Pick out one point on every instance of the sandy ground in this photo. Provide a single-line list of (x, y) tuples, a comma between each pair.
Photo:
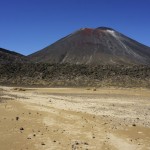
[(74, 119)]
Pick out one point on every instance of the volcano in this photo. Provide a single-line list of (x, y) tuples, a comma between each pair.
[(99, 46)]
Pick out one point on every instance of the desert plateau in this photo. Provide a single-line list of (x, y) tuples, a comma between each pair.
[(75, 75)]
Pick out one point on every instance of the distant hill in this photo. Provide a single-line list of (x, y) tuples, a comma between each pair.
[(100, 46), (7, 56)]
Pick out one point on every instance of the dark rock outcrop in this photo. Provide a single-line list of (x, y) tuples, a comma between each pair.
[(64, 75)]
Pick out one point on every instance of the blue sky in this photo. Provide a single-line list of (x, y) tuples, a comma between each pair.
[(27, 26)]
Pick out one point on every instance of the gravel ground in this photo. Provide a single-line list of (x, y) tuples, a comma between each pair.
[(75, 118)]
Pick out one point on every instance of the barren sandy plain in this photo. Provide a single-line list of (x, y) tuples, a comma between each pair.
[(74, 119)]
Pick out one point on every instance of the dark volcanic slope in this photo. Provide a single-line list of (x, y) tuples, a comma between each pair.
[(94, 46), (7, 56)]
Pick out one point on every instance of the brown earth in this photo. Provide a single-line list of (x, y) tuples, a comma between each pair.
[(74, 118)]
